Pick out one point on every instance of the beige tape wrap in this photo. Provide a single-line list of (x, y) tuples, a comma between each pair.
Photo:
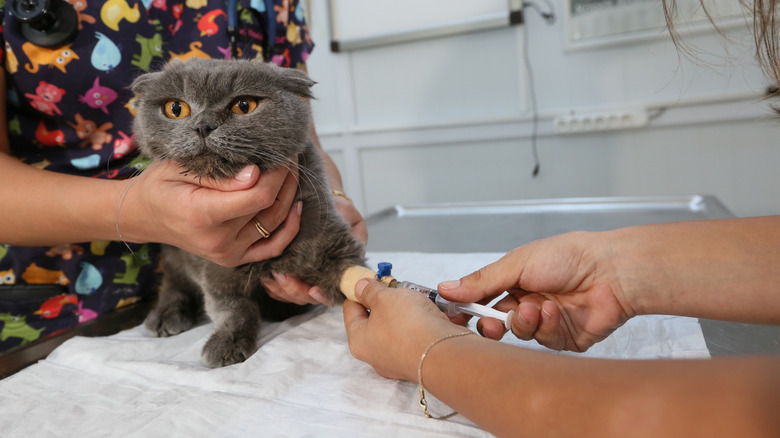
[(352, 275)]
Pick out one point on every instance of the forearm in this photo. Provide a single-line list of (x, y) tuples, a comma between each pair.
[(512, 391), (42, 208), (723, 269), (48, 208)]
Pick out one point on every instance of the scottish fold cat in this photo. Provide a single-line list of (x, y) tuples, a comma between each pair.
[(214, 117)]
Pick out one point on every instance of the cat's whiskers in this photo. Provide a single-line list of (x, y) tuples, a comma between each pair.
[(305, 175), (249, 284)]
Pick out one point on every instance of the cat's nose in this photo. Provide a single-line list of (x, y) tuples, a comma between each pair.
[(204, 129)]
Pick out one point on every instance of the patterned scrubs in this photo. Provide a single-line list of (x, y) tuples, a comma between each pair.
[(67, 111)]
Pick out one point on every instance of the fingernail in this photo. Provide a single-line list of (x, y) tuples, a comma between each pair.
[(360, 286), (280, 278), (452, 284), (299, 206), (546, 305), (245, 174), (318, 296), (519, 317)]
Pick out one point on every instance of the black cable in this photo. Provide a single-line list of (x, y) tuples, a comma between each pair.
[(550, 18), (534, 111)]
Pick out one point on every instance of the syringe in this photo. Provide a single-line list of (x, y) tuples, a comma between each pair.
[(353, 274), (454, 309)]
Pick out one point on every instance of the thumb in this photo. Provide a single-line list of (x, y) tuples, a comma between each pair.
[(356, 313), (367, 292), (243, 179), (487, 282)]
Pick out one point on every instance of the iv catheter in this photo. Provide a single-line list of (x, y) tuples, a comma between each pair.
[(355, 273)]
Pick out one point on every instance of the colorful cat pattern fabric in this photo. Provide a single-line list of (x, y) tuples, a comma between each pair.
[(68, 110)]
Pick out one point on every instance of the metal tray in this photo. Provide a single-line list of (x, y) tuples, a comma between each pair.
[(502, 226)]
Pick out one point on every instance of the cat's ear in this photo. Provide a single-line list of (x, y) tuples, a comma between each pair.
[(141, 83), (296, 81)]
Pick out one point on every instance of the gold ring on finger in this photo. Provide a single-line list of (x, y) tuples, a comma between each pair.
[(263, 232)]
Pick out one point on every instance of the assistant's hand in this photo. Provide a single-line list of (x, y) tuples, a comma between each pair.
[(392, 337), (284, 287), (563, 289), (209, 218)]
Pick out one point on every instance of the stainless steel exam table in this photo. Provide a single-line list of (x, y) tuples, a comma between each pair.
[(502, 226)]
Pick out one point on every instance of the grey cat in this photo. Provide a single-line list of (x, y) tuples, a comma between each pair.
[(214, 117)]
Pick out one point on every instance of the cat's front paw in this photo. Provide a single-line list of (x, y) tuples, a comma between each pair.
[(167, 322), (224, 349)]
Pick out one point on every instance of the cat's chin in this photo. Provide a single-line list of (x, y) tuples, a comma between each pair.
[(209, 169)]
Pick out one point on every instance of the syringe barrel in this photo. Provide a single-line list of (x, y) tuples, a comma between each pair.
[(417, 288), (432, 294), (454, 309)]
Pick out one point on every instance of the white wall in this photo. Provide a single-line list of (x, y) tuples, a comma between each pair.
[(449, 119)]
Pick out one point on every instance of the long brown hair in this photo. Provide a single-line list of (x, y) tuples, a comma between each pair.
[(765, 32)]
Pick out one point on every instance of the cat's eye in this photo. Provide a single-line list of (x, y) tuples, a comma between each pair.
[(244, 105), (176, 109)]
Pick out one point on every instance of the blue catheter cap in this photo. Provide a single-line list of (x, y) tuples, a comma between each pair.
[(383, 269)]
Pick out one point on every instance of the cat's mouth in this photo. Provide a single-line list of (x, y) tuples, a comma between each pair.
[(207, 158)]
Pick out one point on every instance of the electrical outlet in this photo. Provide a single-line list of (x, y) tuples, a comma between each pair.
[(601, 121)]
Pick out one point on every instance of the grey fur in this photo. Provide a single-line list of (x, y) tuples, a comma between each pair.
[(274, 132)]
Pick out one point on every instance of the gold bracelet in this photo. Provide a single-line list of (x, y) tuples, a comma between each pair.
[(423, 403), (342, 194)]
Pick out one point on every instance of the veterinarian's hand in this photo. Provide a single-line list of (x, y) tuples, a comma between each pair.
[(292, 290), (564, 290), (212, 219)]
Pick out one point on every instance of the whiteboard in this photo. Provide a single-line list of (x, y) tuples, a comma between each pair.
[(360, 24)]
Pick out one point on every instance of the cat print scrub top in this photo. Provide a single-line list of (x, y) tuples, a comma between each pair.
[(67, 111)]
